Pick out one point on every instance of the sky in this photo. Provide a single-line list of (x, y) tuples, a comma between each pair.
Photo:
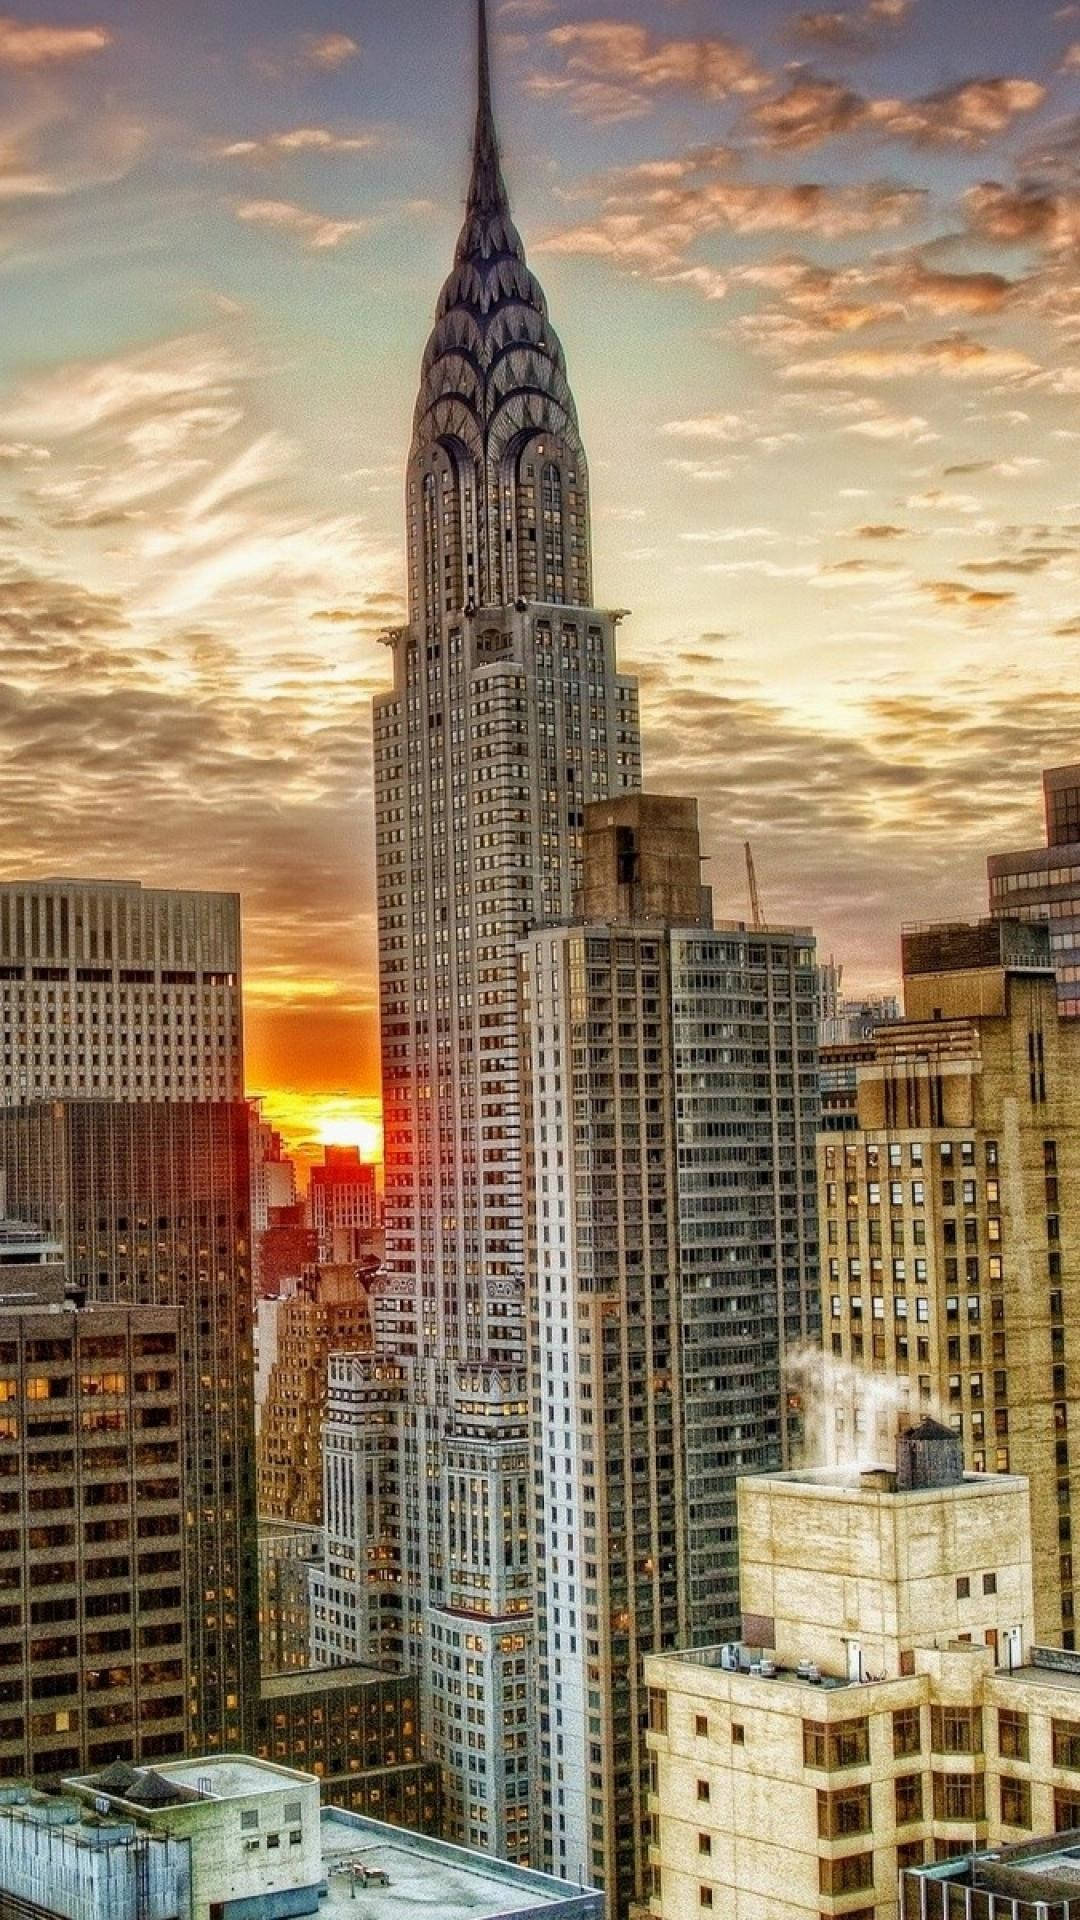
[(817, 274)]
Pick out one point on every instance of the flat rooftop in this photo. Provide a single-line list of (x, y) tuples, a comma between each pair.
[(297, 1681), (1032, 1873), (429, 1877), (233, 1777)]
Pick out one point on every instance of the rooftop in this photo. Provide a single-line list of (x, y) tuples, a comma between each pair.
[(174, 1783), (429, 1877), (1033, 1874)]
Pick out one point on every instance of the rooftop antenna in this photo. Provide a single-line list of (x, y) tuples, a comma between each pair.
[(755, 899)]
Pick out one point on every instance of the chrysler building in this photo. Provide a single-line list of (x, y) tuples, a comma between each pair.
[(506, 717)]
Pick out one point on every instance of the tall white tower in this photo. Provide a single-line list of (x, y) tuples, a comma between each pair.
[(507, 716)]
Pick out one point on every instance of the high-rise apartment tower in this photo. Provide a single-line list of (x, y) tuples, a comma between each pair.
[(671, 1110)]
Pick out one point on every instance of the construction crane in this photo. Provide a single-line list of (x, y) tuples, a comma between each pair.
[(755, 899)]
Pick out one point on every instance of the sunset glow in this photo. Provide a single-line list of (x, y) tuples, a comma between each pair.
[(815, 273)]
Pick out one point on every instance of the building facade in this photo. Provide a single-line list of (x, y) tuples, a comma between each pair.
[(93, 1548), (950, 1258), (507, 715), (670, 1109), (343, 1204), (884, 1707), (328, 1314), (1043, 883), (113, 991), (150, 1201)]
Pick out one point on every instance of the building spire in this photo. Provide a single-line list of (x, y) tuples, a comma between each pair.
[(487, 190)]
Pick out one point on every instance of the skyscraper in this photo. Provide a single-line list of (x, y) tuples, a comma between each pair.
[(125, 1133), (1043, 883), (113, 991), (507, 715), (93, 1627), (151, 1200), (671, 1113)]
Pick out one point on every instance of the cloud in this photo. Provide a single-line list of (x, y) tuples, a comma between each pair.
[(959, 357), (654, 232), (902, 796), (330, 50), (24, 43), (1071, 61), (614, 69), (891, 426), (880, 530), (969, 114), (299, 140), (953, 593), (317, 230), (48, 150), (707, 426), (848, 30), (85, 395), (1013, 216)]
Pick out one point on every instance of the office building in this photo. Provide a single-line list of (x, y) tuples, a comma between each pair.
[(287, 1553), (273, 1174), (225, 1837), (883, 1708), (287, 1248), (113, 991), (151, 1203), (506, 717), (670, 1114), (842, 1019), (93, 1570), (328, 1313), (1043, 883), (950, 1258), (343, 1206), (358, 1730)]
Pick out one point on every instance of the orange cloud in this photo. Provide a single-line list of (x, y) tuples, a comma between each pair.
[(26, 44), (614, 68), (967, 114)]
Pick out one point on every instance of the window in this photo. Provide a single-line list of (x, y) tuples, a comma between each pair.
[(959, 1796), (1066, 1743), (249, 1820), (701, 1725), (853, 1874), (704, 1843), (705, 1896), (846, 1744), (657, 1710), (911, 1854), (989, 1582), (909, 1799), (703, 1791), (1066, 1811), (1012, 1735), (963, 1587), (956, 1729), (738, 1734), (843, 1813), (1015, 1802)]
